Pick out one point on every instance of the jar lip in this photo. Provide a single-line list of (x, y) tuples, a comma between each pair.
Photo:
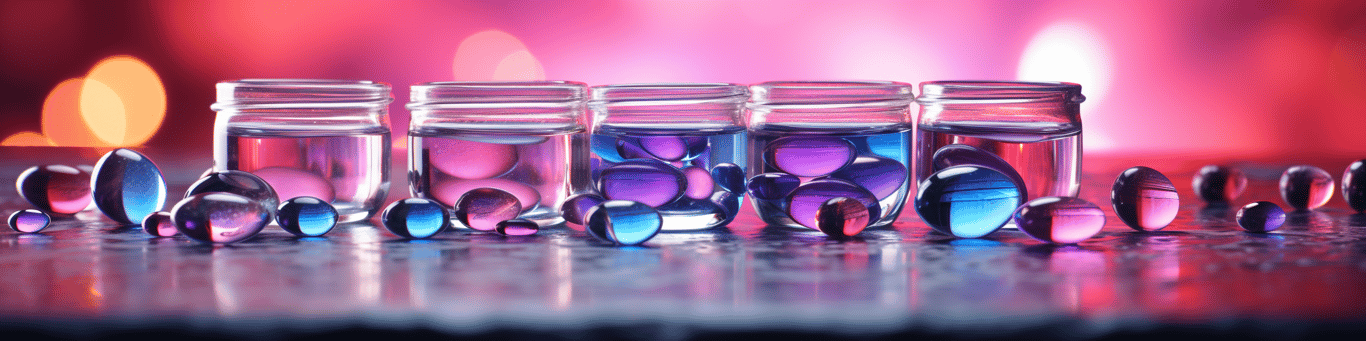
[(830, 92), (992, 90), (708, 92), (264, 93), (474, 92)]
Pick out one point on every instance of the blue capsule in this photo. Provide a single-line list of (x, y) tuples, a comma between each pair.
[(483, 208), (808, 198), (879, 175), (967, 201), (1219, 184), (605, 147), (1306, 187), (965, 155), (127, 186), (1145, 199), (623, 222), (1261, 216), (1059, 220), (29, 221), (772, 186), (307, 216), (646, 181), (239, 183), (576, 207), (809, 156), (219, 217), (517, 227), (59, 189), (1354, 185), (415, 218), (729, 177), (159, 224), (842, 217)]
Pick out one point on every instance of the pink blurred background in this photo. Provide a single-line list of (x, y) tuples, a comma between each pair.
[(1194, 78)]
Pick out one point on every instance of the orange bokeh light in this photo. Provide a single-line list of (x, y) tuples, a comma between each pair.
[(62, 121), (26, 139), (135, 86)]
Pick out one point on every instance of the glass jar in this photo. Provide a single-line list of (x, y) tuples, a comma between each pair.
[(327, 139), (1034, 127), (675, 147), (815, 141), (523, 138)]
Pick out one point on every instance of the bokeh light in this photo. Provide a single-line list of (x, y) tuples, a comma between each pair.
[(1069, 52), (26, 139), (495, 55), (129, 83), (62, 119)]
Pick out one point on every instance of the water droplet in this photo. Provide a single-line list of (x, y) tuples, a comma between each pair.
[(1306, 187), (450, 192), (127, 186), (664, 148), (517, 227), (967, 201), (1261, 216), (649, 182), (159, 224), (1354, 185), (842, 217), (879, 175), (290, 183), (729, 176), (807, 199), (700, 183), (219, 217), (415, 218), (576, 207), (483, 208), (965, 155), (623, 222), (809, 155), (772, 186), (239, 183), (307, 216), (1144, 199), (469, 159), (1060, 220), (29, 221), (59, 189)]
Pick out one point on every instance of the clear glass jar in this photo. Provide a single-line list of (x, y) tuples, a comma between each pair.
[(322, 138), (675, 147), (1035, 127), (829, 140), (524, 138)]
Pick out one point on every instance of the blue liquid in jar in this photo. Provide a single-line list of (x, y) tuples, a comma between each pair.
[(676, 174), (877, 163), (536, 169), (349, 171), (1047, 156)]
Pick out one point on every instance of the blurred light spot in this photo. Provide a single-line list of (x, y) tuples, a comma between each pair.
[(1069, 52), (62, 121), (489, 55), (123, 101), (26, 139), (103, 111), (519, 66)]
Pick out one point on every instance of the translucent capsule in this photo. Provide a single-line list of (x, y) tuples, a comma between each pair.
[(576, 207), (729, 176), (623, 222), (450, 192), (290, 183), (809, 155), (239, 183), (879, 175), (842, 217), (483, 208), (967, 201), (605, 147), (219, 217), (307, 216), (415, 218), (59, 189), (470, 159), (1059, 220), (1306, 187), (666, 148), (1354, 185), (1261, 216), (730, 203), (29, 221), (517, 227), (700, 183), (159, 224), (127, 186), (772, 186), (808, 198), (1144, 199), (646, 181), (1217, 184), (962, 154)]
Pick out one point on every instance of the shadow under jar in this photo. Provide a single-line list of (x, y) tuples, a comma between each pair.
[(675, 147), (523, 138), (811, 142), (327, 139)]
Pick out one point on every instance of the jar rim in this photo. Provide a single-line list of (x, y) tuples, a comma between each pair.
[(669, 92), (476, 92), (265, 93), (829, 92), (997, 90)]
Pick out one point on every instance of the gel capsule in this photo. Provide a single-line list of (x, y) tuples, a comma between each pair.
[(159, 224), (807, 199), (469, 159), (665, 148), (58, 189), (239, 183), (576, 207), (29, 221), (1219, 184), (646, 181), (1059, 220), (483, 208), (962, 154), (1306, 187), (772, 186), (729, 177), (1261, 216), (290, 183), (623, 222), (219, 217), (127, 186), (517, 227), (967, 201), (307, 216), (1144, 199), (879, 175), (842, 217), (415, 218), (809, 155), (700, 183), (1354, 185)]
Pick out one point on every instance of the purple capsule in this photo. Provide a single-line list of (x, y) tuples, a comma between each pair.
[(1219, 184), (729, 177), (809, 156), (1306, 187), (807, 199), (239, 183), (1144, 199), (29, 221), (1059, 220), (962, 154), (415, 218), (517, 227), (665, 148), (842, 217), (879, 175), (449, 192), (159, 224), (576, 207), (772, 186), (1354, 185), (700, 183), (1261, 216), (220, 217), (646, 181), (483, 208), (58, 189)]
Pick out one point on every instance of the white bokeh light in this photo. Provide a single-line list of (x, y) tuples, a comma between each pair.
[(1072, 52)]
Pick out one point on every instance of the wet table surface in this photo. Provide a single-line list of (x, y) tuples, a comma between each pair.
[(87, 277)]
